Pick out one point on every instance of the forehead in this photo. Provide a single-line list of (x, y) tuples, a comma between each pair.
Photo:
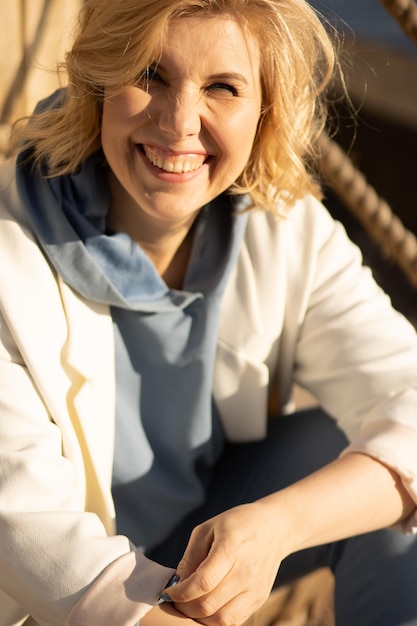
[(204, 40)]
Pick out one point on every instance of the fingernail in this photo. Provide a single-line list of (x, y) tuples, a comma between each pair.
[(164, 597), (173, 581)]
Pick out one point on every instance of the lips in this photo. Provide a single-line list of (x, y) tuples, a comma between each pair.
[(174, 163)]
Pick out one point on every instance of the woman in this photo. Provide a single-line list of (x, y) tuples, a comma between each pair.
[(167, 271)]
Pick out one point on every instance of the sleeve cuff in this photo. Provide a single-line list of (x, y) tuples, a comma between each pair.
[(122, 594), (394, 445)]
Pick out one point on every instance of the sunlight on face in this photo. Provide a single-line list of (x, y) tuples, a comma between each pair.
[(177, 139)]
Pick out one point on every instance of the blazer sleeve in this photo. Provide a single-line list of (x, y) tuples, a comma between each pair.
[(355, 353)]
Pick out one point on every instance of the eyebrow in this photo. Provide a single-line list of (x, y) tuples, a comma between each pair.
[(233, 76), (221, 76)]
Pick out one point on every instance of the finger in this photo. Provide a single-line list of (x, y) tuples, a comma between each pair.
[(164, 595), (233, 585), (196, 551), (234, 612), (209, 575), (207, 605)]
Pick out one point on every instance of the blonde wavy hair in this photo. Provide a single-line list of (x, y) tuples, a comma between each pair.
[(118, 39)]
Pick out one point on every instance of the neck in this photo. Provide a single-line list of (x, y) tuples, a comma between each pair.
[(170, 254), (167, 244)]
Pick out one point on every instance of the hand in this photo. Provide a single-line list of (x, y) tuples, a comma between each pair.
[(229, 566)]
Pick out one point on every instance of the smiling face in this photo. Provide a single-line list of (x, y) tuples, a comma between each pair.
[(182, 135)]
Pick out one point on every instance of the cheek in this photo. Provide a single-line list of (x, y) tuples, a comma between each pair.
[(116, 127), (111, 143), (243, 135), (108, 124), (128, 108), (118, 113)]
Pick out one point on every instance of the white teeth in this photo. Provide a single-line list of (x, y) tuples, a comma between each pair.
[(180, 165)]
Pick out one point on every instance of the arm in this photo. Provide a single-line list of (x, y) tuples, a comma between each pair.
[(359, 358), (353, 495), (230, 553)]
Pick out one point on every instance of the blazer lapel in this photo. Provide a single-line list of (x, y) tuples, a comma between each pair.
[(90, 353)]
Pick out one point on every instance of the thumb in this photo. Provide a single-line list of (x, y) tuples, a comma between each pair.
[(204, 565)]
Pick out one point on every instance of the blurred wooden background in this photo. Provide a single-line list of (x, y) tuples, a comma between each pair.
[(34, 35)]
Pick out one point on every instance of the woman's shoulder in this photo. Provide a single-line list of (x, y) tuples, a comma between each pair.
[(307, 225), (18, 244)]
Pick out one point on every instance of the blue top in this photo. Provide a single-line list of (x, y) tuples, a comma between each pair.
[(168, 432)]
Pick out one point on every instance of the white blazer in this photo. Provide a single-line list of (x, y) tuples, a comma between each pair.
[(298, 307)]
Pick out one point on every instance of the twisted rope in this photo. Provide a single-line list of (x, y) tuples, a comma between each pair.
[(372, 212), (375, 215), (405, 12)]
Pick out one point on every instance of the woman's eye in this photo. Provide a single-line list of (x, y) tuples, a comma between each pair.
[(153, 76), (223, 87), (149, 77)]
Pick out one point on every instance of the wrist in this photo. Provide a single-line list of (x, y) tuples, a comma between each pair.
[(165, 615), (288, 520)]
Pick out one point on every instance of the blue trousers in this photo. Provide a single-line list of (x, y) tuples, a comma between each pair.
[(375, 573)]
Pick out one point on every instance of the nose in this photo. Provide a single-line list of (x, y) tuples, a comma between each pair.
[(179, 115)]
